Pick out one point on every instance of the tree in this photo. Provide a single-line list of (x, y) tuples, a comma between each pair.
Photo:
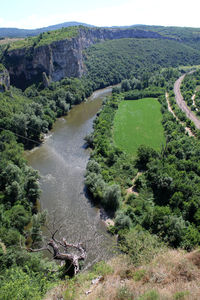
[(112, 197), (122, 221), (144, 156), (62, 250)]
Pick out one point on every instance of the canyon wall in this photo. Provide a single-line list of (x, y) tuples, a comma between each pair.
[(63, 58)]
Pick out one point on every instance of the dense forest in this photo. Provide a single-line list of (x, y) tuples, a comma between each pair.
[(166, 208), (112, 61)]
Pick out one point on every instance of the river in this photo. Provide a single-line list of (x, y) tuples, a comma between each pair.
[(61, 161)]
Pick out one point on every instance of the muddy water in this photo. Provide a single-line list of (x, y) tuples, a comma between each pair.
[(61, 161)]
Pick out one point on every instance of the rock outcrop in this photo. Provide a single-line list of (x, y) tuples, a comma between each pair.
[(4, 79), (63, 58)]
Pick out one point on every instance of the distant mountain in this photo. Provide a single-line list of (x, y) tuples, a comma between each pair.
[(22, 33)]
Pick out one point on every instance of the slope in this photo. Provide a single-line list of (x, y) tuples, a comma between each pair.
[(112, 61)]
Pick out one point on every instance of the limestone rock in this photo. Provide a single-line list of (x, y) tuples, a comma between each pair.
[(4, 79), (63, 58)]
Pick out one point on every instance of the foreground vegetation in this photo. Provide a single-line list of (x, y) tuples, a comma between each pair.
[(171, 274)]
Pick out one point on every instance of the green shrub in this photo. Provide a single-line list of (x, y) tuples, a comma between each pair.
[(102, 269), (122, 221), (140, 245), (139, 274), (150, 295), (180, 295), (123, 293), (17, 284)]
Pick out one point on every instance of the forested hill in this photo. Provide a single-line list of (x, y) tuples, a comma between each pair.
[(62, 53), (112, 61), (23, 33), (187, 35)]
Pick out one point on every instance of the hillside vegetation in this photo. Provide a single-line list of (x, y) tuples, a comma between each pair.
[(112, 61), (45, 38)]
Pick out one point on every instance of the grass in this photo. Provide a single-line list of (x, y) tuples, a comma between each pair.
[(138, 122), (10, 40), (170, 275), (45, 38)]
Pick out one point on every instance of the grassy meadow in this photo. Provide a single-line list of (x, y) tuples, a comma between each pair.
[(138, 122)]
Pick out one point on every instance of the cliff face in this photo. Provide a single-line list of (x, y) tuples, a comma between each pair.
[(62, 58), (4, 79)]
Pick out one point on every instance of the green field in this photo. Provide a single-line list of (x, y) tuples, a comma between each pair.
[(138, 122)]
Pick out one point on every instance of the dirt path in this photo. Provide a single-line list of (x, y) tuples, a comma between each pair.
[(181, 103), (193, 100), (132, 189), (187, 129)]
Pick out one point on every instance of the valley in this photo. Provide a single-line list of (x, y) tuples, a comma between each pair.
[(83, 115)]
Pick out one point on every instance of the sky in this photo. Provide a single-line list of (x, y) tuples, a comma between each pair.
[(31, 14)]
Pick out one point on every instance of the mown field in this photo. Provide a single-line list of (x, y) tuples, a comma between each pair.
[(138, 122)]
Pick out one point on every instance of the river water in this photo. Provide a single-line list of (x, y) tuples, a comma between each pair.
[(61, 161)]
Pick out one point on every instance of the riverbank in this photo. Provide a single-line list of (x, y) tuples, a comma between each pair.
[(61, 160)]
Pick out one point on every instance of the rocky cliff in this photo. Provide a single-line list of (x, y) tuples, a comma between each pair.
[(4, 79), (61, 58)]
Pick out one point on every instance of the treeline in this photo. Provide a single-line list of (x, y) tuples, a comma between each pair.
[(109, 169), (112, 61), (167, 206)]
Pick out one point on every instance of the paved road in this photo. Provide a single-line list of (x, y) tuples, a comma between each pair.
[(181, 103), (187, 129)]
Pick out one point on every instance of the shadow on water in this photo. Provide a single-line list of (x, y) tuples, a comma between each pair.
[(62, 161)]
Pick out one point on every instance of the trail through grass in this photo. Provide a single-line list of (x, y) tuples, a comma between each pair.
[(138, 122)]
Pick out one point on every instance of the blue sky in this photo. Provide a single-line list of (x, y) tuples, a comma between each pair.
[(40, 13)]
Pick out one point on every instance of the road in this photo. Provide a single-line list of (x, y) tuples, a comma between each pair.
[(181, 103), (187, 129)]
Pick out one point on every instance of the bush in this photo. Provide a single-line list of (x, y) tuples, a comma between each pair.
[(140, 245), (150, 295), (122, 221), (102, 269), (22, 285), (123, 293)]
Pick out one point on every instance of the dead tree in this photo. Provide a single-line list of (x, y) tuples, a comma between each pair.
[(66, 252)]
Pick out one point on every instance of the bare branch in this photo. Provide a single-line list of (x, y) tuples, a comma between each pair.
[(38, 250), (61, 249)]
